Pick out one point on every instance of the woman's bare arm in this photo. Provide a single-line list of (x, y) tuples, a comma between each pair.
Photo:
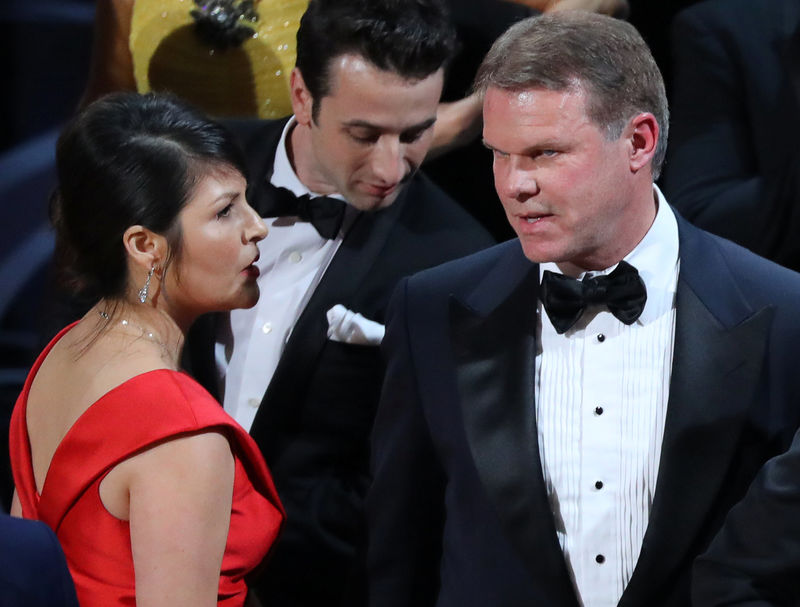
[(179, 512)]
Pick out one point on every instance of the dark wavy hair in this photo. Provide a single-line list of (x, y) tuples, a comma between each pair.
[(128, 159), (412, 38)]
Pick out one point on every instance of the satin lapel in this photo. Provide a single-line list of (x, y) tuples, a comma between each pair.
[(493, 343), (349, 268), (718, 356)]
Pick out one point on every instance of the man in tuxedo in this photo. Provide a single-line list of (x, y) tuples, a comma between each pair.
[(33, 571), (302, 370), (567, 417)]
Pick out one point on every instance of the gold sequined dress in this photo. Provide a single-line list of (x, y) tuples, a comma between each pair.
[(251, 79)]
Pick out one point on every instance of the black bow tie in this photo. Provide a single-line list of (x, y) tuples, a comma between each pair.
[(565, 298), (324, 213)]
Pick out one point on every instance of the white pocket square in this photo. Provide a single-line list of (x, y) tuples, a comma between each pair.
[(350, 327)]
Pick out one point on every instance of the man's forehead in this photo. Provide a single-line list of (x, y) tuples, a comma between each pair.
[(529, 96), (363, 96), (351, 67), (349, 62)]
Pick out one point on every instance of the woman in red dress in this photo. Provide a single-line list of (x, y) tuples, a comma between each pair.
[(157, 496)]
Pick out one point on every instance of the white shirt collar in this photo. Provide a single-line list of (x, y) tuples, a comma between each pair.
[(655, 257)]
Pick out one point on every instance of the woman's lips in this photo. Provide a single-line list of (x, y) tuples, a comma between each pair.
[(251, 271)]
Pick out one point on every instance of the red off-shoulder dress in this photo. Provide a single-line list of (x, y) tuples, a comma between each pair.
[(143, 411)]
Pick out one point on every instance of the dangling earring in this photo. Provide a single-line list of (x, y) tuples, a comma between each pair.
[(146, 287)]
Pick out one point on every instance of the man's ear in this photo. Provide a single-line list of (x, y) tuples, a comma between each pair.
[(642, 133), (145, 248), (302, 102)]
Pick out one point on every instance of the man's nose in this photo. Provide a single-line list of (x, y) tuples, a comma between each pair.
[(388, 163), (518, 182)]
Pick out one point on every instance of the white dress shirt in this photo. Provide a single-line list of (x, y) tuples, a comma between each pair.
[(601, 401), (293, 259)]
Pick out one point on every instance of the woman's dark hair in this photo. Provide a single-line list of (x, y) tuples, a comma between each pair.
[(128, 159), (412, 38)]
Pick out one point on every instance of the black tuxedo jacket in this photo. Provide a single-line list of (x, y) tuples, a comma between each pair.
[(33, 570), (314, 422), (734, 119), (458, 509), (755, 559)]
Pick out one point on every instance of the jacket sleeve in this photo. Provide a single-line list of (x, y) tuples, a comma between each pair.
[(755, 558), (405, 503)]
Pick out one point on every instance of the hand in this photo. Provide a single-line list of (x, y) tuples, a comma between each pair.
[(457, 123), (111, 67), (616, 8)]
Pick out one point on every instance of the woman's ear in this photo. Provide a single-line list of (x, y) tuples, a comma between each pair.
[(144, 247)]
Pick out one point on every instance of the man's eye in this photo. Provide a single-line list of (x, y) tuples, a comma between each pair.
[(411, 136), (364, 137)]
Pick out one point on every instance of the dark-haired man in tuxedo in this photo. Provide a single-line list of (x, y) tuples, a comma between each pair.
[(302, 369), (568, 417)]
